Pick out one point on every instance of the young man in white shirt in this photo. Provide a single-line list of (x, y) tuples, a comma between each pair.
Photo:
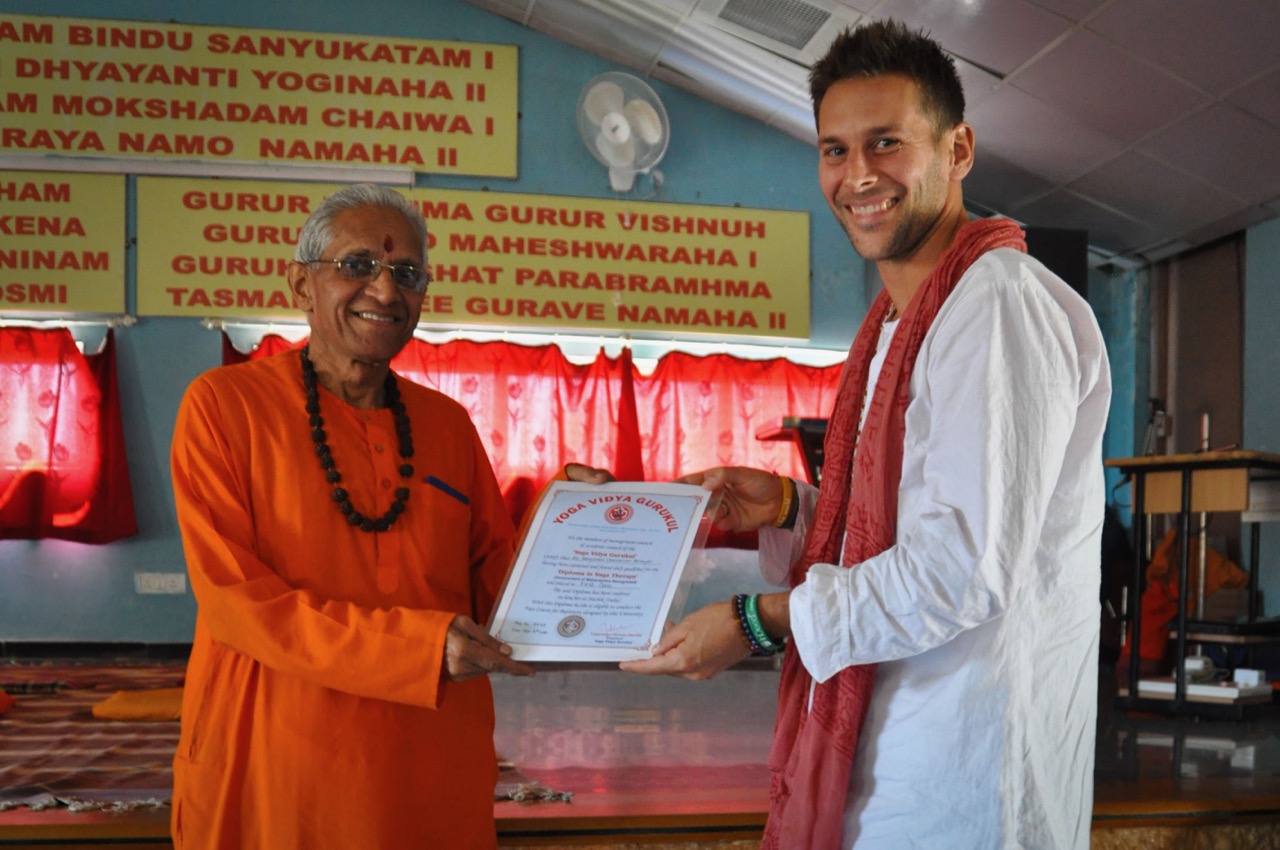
[(939, 689)]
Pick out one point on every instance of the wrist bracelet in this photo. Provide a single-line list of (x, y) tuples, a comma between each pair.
[(740, 614), (751, 611), (788, 499)]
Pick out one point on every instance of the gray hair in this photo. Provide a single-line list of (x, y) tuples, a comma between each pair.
[(318, 231)]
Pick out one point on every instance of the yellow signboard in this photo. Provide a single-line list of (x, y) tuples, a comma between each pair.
[(174, 91), (61, 242), (220, 248)]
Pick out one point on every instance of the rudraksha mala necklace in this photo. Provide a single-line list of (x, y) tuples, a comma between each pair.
[(404, 433)]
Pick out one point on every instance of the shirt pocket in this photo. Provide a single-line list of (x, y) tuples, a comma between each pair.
[(438, 553)]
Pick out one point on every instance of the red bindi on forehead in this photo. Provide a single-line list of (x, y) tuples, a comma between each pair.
[(388, 244)]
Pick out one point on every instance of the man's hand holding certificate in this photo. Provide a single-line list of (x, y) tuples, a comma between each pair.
[(598, 570)]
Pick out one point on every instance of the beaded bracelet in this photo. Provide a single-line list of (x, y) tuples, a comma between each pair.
[(788, 496), (751, 611), (740, 614)]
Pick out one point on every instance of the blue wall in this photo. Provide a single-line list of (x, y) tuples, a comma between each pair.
[(56, 591), (1262, 379), (1120, 301)]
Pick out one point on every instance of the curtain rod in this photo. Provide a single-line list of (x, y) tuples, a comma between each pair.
[(651, 345), (582, 345), (90, 335), (104, 322), (264, 325)]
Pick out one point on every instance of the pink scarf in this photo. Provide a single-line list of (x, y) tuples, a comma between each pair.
[(858, 505)]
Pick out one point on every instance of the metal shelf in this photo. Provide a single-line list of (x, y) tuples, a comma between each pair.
[(1243, 481)]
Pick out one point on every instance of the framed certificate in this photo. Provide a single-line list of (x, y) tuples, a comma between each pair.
[(598, 570)]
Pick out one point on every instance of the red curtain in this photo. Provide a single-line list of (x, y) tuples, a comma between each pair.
[(270, 344), (535, 410), (700, 412), (63, 470)]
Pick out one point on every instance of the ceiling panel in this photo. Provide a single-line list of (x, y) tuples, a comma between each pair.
[(1232, 223), (1244, 161), (978, 84), (513, 9), (1214, 45), (1151, 191), (1108, 229), (1072, 10), (997, 184), (1261, 97), (638, 39), (1108, 89), (1050, 143), (683, 7), (998, 35)]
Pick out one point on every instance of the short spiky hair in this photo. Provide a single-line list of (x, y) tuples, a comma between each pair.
[(888, 47)]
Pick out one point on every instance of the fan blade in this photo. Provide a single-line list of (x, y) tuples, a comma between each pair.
[(603, 98), (644, 120), (616, 155)]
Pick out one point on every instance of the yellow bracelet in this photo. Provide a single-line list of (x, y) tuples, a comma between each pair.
[(788, 496)]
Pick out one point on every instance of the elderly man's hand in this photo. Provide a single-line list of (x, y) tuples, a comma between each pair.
[(470, 651)]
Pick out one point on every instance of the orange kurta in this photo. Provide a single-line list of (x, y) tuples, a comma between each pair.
[(315, 714)]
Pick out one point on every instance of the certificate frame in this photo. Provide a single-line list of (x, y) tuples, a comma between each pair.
[(598, 570)]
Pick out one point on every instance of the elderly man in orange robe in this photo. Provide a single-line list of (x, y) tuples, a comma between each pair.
[(345, 537)]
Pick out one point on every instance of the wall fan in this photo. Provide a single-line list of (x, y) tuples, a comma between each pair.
[(623, 123)]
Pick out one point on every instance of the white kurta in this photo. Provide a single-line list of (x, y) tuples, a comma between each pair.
[(983, 617)]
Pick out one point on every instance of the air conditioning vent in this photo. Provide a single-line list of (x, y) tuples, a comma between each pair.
[(791, 22), (799, 30)]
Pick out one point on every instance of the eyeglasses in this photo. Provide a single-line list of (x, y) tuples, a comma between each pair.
[(364, 269)]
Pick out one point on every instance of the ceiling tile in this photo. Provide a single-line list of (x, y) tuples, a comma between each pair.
[(1151, 191), (614, 53), (694, 65), (978, 84), (995, 34), (1019, 128), (1100, 84), (1229, 148), (682, 69), (1215, 46), (795, 119), (998, 184), (1261, 97), (606, 31), (682, 7), (1167, 249), (513, 9), (1107, 229), (745, 72), (1234, 223), (1072, 10)]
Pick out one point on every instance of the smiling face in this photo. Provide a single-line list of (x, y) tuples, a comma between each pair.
[(890, 177), (359, 323)]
